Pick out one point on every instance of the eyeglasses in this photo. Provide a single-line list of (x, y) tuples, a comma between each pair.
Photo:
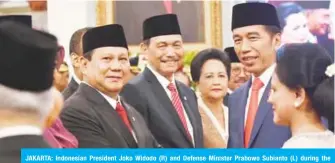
[(239, 70)]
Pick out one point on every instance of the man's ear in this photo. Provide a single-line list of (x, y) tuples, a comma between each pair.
[(75, 58), (277, 40), (143, 47), (83, 63), (144, 50)]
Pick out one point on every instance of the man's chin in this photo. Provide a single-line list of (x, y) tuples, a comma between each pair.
[(170, 69), (168, 73), (323, 32), (115, 87), (238, 85), (253, 69)]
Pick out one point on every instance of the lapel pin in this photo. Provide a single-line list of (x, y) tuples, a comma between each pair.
[(185, 98), (133, 118)]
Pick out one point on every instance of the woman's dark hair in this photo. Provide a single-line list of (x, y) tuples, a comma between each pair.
[(205, 55), (324, 98), (286, 9), (304, 66)]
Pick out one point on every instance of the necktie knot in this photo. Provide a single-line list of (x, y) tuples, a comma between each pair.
[(171, 87), (257, 84), (119, 107)]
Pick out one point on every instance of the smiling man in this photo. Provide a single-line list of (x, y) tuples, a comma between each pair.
[(169, 107), (256, 34), (95, 113)]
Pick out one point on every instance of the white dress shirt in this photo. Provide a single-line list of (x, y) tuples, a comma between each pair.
[(165, 82), (265, 78), (110, 100), (229, 91), (76, 79), (20, 130)]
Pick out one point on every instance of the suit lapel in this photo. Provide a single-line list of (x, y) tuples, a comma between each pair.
[(73, 85), (118, 125), (241, 105), (137, 128), (131, 118), (262, 111), (225, 99), (122, 128), (188, 111), (164, 99)]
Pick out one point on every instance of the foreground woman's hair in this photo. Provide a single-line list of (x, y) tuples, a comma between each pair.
[(304, 66)]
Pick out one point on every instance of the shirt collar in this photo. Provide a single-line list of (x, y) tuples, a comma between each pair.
[(161, 79), (229, 91), (266, 75), (110, 100), (20, 130), (76, 79)]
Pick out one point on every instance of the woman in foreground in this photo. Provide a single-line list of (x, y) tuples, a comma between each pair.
[(302, 90)]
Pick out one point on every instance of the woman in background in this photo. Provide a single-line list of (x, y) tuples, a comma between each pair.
[(210, 70), (301, 92), (294, 24), (55, 133)]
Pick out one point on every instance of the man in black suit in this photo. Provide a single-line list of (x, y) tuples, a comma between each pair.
[(76, 51), (319, 22), (169, 107), (27, 62), (95, 113)]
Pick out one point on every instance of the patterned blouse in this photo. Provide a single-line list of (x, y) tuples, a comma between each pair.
[(324, 139), (215, 131), (59, 137)]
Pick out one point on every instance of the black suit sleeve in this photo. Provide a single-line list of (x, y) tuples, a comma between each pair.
[(83, 126), (134, 98)]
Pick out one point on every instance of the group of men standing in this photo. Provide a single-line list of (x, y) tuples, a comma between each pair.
[(152, 110), (164, 109), (144, 115)]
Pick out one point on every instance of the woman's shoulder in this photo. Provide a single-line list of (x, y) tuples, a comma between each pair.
[(312, 140)]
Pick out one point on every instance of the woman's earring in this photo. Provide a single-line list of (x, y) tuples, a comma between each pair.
[(296, 104)]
